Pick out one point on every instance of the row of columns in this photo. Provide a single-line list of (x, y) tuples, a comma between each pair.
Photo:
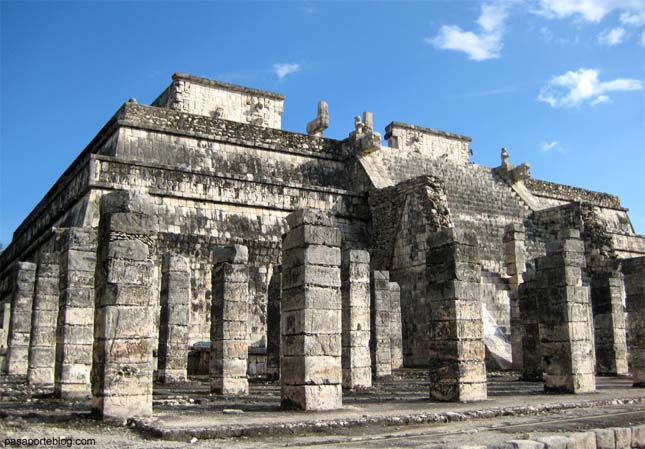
[(572, 329)]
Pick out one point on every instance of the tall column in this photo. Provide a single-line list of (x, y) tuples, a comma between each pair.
[(42, 345), (229, 318), (565, 317), (4, 335), (20, 324), (607, 294), (126, 299), (310, 367), (75, 324), (355, 293), (514, 256), (457, 369), (396, 338), (274, 295), (634, 270), (380, 324), (173, 323), (530, 319)]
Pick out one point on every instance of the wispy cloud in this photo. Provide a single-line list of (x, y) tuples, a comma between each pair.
[(574, 88), (284, 69), (488, 93), (548, 146), (593, 10), (612, 37), (485, 43)]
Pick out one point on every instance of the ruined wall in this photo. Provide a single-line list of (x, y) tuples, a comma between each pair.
[(402, 218), (216, 99)]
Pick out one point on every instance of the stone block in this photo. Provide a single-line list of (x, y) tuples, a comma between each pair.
[(316, 217), (312, 235), (314, 297), (312, 397), (312, 255), (312, 344), (638, 436), (312, 275), (583, 440), (623, 437), (605, 439), (556, 442), (233, 254), (230, 386)]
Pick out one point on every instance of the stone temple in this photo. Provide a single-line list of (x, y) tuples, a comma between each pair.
[(196, 236)]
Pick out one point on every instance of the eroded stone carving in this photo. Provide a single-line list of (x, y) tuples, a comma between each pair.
[(321, 122)]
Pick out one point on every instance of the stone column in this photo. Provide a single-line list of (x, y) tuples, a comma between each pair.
[(565, 317), (530, 319), (514, 256), (634, 270), (4, 335), (173, 323), (355, 293), (457, 369), (126, 299), (42, 345), (310, 367), (75, 324), (274, 294), (396, 338), (607, 302), (229, 318), (380, 324), (20, 325)]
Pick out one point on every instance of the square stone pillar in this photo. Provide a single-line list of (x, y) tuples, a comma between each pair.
[(457, 369), (396, 337), (5, 310), (530, 319), (607, 302), (274, 295), (515, 259), (75, 323), (355, 293), (126, 299), (229, 318), (311, 369), (174, 315), (42, 345), (22, 298), (566, 329), (634, 271), (380, 324)]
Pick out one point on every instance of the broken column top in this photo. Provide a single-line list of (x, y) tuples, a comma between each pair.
[(231, 254), (126, 201), (449, 236), (317, 217)]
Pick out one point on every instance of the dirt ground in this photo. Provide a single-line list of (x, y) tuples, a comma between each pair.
[(395, 413)]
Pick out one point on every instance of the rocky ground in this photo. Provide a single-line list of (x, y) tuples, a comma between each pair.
[(396, 413)]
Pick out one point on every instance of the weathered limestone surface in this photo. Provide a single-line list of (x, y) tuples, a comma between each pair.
[(634, 271), (173, 323), (457, 369), (229, 317), (566, 329), (4, 335), (42, 345), (126, 296), (396, 339), (75, 324), (274, 295), (310, 367), (381, 306), (607, 302), (20, 325), (530, 327), (514, 255), (355, 291)]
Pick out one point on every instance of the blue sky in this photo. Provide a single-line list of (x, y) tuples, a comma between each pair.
[(560, 83)]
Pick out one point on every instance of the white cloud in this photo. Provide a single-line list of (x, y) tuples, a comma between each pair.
[(633, 11), (484, 44), (642, 42), (284, 69), (576, 87), (634, 19), (546, 146), (612, 37)]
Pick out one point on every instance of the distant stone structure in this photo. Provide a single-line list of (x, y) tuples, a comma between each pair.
[(197, 227)]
